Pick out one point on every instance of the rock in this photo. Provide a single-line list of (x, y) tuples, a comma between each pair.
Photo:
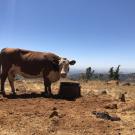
[(100, 92), (103, 92), (54, 108), (122, 98), (126, 84), (115, 119), (53, 114), (113, 82), (105, 116), (111, 106)]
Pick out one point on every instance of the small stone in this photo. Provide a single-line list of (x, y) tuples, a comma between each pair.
[(54, 113), (105, 116), (122, 98), (54, 108), (111, 106)]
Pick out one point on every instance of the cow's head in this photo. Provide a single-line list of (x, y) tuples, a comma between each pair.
[(64, 66)]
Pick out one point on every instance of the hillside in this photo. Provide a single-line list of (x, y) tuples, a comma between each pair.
[(128, 77)]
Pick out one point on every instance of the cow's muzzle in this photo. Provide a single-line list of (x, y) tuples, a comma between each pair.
[(63, 75)]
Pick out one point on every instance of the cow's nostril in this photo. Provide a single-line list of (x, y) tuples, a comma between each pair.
[(63, 75)]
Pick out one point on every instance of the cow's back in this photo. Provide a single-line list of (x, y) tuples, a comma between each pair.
[(29, 62)]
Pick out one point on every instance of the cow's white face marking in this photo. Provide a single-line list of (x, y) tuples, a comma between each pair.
[(64, 66), (64, 69)]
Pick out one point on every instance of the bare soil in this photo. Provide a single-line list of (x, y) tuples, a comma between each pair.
[(33, 114)]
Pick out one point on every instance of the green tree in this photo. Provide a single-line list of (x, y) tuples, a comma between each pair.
[(116, 73), (89, 73), (111, 73)]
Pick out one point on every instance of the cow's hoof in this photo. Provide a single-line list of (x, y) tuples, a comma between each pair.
[(46, 94), (3, 94), (13, 94), (50, 95)]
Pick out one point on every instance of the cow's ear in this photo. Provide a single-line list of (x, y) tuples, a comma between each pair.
[(72, 62)]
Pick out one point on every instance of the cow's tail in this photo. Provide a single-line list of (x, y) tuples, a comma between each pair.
[(0, 65)]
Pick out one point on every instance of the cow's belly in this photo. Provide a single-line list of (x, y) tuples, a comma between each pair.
[(53, 76), (31, 76), (14, 70)]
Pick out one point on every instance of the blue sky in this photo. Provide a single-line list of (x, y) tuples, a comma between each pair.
[(97, 33)]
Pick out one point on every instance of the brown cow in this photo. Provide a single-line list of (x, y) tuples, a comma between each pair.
[(29, 64)]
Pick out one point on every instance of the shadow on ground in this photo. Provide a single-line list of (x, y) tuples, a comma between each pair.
[(37, 95)]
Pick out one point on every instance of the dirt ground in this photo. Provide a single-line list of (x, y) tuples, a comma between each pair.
[(33, 114)]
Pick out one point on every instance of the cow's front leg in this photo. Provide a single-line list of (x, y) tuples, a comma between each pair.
[(46, 89), (47, 85), (49, 90), (11, 82)]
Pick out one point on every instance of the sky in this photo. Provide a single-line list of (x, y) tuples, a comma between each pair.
[(96, 33)]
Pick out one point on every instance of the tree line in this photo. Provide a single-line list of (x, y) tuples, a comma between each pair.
[(113, 74)]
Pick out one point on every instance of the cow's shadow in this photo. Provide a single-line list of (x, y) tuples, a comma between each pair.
[(36, 95)]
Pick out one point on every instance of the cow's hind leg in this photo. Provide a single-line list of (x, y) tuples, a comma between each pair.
[(3, 79), (11, 77), (4, 74)]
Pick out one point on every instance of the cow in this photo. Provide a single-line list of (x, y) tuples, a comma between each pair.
[(28, 63)]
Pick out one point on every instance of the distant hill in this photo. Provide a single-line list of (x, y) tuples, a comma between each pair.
[(128, 77)]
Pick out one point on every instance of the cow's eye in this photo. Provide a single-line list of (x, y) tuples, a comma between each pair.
[(64, 62)]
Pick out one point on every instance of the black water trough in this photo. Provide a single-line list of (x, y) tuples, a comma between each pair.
[(69, 90)]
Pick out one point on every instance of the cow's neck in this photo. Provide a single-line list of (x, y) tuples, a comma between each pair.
[(53, 76)]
